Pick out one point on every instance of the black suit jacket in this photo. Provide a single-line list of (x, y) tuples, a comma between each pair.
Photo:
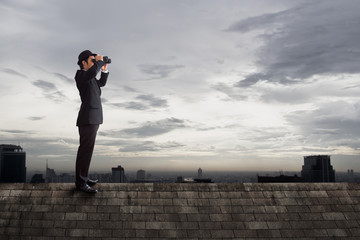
[(89, 90)]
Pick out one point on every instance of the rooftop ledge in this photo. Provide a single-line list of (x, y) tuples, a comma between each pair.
[(181, 211)]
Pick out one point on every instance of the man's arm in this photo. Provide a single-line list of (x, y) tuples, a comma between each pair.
[(93, 71), (104, 75), (102, 81)]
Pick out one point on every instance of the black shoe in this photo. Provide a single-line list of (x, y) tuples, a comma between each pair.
[(86, 188), (92, 182)]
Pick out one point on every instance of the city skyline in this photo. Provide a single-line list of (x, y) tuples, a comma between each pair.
[(221, 85)]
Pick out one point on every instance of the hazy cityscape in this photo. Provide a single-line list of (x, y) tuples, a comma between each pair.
[(316, 168), (217, 177)]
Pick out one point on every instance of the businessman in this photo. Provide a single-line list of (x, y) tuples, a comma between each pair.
[(90, 114)]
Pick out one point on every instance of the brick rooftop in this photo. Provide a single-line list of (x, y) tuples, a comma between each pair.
[(183, 211)]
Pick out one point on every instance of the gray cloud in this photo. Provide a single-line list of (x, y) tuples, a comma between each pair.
[(64, 78), (231, 92), (262, 21), (148, 129), (147, 146), (252, 79), (12, 131), (146, 102), (38, 149), (326, 127), (156, 71), (131, 105), (13, 72), (56, 96), (129, 89), (50, 91), (153, 101), (44, 85), (315, 38), (36, 118)]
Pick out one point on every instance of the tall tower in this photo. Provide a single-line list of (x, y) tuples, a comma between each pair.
[(200, 173), (12, 163), (140, 175), (50, 175), (118, 174), (317, 168)]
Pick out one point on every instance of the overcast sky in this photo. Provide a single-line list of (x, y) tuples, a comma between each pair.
[(217, 84)]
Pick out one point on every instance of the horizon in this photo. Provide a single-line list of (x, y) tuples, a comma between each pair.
[(194, 171)]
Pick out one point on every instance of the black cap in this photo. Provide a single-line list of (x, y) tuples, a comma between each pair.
[(85, 55)]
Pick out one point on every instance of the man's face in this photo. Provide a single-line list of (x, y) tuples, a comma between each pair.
[(88, 63)]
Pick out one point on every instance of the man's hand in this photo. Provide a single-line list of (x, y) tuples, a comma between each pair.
[(104, 68), (98, 57)]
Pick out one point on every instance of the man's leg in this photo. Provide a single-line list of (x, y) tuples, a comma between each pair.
[(87, 142)]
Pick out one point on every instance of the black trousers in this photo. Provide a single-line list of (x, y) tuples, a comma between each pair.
[(87, 142)]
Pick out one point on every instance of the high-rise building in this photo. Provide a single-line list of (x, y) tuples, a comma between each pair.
[(118, 174), (50, 174), (140, 175), (200, 173), (317, 168), (12, 163), (350, 175), (37, 178), (280, 179)]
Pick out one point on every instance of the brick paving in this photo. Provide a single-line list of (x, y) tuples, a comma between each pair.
[(181, 211)]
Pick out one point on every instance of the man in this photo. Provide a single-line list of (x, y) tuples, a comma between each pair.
[(90, 114)]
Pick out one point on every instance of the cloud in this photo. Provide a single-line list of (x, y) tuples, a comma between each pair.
[(148, 129), (44, 85), (262, 21), (153, 101), (64, 78), (129, 89), (12, 131), (312, 39), (131, 105), (36, 118), (50, 91), (252, 79), (156, 71), (326, 127), (146, 102), (231, 92), (13, 72), (147, 146), (56, 96), (39, 148)]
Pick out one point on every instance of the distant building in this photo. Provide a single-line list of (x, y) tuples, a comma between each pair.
[(140, 175), (12, 163), (50, 174), (317, 168), (280, 179), (200, 173), (37, 178), (179, 179), (118, 174), (203, 180), (199, 178), (62, 178), (102, 177), (350, 175)]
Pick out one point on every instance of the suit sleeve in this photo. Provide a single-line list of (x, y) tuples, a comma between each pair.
[(103, 79), (93, 71)]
